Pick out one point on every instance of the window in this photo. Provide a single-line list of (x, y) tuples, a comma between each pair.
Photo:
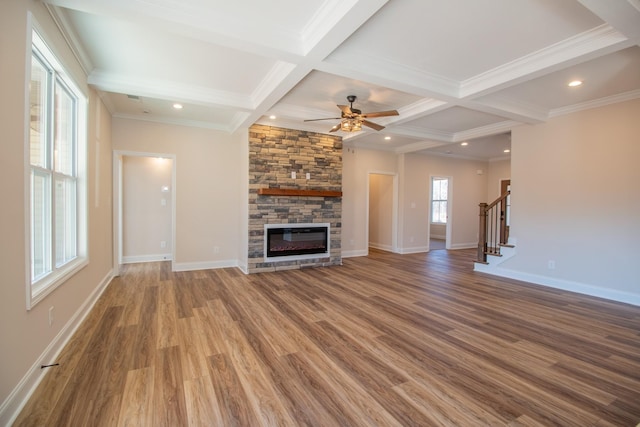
[(439, 192), (56, 153)]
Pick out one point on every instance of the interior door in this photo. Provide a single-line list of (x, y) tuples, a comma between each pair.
[(505, 208)]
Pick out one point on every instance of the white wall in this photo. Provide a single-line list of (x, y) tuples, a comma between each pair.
[(146, 208), (576, 201), (209, 183), (26, 337)]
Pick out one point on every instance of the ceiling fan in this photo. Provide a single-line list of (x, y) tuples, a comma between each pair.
[(352, 119)]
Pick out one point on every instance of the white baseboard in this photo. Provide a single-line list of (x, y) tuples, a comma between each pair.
[(355, 253), (414, 250), (464, 245), (13, 404), (438, 236), (204, 265), (145, 258), (381, 246), (566, 285)]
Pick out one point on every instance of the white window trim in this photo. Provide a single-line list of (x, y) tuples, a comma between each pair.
[(431, 200), (37, 291)]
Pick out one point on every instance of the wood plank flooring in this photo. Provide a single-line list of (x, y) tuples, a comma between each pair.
[(384, 340)]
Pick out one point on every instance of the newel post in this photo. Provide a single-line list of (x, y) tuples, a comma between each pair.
[(482, 234)]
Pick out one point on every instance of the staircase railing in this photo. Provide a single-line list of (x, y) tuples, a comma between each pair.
[(493, 231)]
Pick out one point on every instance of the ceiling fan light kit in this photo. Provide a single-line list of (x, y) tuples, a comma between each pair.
[(350, 125), (352, 119)]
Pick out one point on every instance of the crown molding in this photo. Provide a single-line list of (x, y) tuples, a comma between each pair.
[(509, 108), (382, 72), (155, 88), (492, 129), (323, 21), (276, 75), (542, 61), (418, 146), (173, 121), (614, 99), (70, 37)]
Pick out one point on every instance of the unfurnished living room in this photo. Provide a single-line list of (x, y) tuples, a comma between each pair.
[(339, 212)]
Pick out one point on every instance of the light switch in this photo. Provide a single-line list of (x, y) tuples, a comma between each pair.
[(163, 202)]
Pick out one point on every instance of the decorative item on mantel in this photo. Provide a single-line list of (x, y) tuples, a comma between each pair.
[(298, 192)]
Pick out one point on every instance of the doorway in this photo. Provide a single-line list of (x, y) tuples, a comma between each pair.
[(439, 212), (505, 211), (382, 211), (144, 208)]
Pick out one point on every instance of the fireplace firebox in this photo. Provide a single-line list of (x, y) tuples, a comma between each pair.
[(296, 241)]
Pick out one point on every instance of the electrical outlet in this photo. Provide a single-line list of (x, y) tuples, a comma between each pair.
[(216, 249), (551, 264), (50, 315), (163, 244), (293, 175)]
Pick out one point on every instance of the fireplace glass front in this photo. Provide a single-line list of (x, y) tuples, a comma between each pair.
[(296, 240)]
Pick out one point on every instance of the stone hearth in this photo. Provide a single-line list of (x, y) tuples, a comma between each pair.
[(274, 153)]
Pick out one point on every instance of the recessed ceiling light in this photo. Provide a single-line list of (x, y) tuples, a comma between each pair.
[(464, 144), (272, 117), (574, 83), (507, 150), (387, 138), (177, 106)]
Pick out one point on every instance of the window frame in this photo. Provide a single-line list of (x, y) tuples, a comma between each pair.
[(432, 201), (37, 288)]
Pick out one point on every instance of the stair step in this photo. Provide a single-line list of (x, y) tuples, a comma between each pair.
[(493, 253)]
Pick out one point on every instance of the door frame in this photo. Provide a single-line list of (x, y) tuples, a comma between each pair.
[(394, 210), (118, 183), (447, 232), (505, 183)]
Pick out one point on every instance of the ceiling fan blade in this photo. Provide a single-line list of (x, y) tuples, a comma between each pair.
[(345, 110), (372, 125), (381, 114), (335, 128), (328, 118)]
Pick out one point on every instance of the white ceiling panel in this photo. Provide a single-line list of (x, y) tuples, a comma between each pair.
[(458, 39), (455, 119), (455, 70), (614, 74), (126, 48)]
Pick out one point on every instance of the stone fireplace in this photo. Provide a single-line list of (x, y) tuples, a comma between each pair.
[(295, 183)]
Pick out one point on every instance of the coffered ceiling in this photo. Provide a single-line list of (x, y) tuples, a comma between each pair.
[(456, 70)]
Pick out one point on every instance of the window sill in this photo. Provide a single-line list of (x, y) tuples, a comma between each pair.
[(38, 291)]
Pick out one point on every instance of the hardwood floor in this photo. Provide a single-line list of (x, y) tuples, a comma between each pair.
[(387, 340)]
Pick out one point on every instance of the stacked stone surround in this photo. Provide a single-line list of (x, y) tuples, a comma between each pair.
[(273, 154)]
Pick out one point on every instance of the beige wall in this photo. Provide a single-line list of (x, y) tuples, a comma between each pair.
[(576, 200), (414, 173), (497, 171), (146, 208), (26, 335), (208, 187), (468, 189), (437, 231), (357, 165)]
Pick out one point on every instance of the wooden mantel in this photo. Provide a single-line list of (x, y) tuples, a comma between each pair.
[(298, 192)]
